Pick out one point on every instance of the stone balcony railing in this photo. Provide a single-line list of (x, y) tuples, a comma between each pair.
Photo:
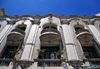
[(50, 30), (49, 62), (16, 35), (11, 43), (50, 35), (83, 35), (46, 43), (4, 62)]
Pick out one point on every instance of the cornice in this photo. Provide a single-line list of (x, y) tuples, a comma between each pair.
[(73, 16), (11, 22), (91, 17), (26, 16), (89, 22), (35, 21), (49, 15)]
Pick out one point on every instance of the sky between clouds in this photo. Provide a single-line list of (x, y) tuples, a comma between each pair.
[(57, 7)]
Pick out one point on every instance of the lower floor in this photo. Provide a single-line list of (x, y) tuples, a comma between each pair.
[(52, 64)]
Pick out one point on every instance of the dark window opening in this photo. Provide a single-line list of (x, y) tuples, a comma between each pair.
[(95, 63), (49, 52), (7, 53), (22, 28), (50, 27), (91, 51), (77, 28)]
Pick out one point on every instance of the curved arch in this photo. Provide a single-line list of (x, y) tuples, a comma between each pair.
[(78, 26), (18, 30), (50, 24), (21, 26)]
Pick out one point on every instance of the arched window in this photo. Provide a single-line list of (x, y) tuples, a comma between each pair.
[(86, 41), (21, 26), (77, 27), (89, 49), (50, 25)]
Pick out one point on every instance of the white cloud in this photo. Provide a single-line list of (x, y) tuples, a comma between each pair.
[(98, 14)]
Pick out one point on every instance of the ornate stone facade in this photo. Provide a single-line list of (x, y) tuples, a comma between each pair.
[(49, 42)]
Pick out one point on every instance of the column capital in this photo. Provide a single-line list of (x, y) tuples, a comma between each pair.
[(11, 22)]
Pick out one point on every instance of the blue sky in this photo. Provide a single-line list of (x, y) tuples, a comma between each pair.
[(57, 7)]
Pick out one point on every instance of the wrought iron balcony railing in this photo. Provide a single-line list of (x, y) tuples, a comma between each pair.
[(5, 62), (49, 62)]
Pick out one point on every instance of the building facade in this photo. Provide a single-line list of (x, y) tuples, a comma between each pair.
[(49, 42)]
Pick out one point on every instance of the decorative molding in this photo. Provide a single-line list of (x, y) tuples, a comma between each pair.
[(26, 16), (37, 17), (64, 22), (91, 17), (84, 17), (30, 44), (75, 63), (89, 22), (49, 15), (25, 63), (72, 16), (62, 16), (69, 44), (35, 21), (11, 22), (2, 13)]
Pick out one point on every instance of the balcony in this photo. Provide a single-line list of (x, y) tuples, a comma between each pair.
[(49, 62), (50, 30), (88, 43), (13, 43), (51, 44), (5, 62), (16, 35), (83, 35), (50, 34), (94, 64)]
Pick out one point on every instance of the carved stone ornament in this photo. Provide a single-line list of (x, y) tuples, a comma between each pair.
[(11, 22), (89, 22), (64, 22)]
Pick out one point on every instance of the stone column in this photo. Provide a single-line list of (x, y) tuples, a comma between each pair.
[(29, 46), (4, 32), (2, 25), (3, 36), (95, 32), (69, 43), (27, 30)]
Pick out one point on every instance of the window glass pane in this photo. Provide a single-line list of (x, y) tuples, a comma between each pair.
[(7, 53), (49, 51), (91, 51)]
